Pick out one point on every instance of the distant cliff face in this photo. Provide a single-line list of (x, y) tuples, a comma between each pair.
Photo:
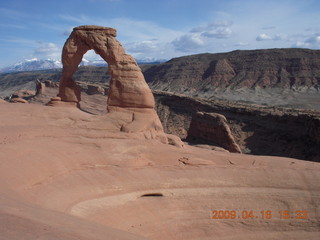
[(297, 69), (256, 129)]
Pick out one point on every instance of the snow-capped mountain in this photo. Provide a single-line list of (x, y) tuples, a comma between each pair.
[(35, 64), (32, 65)]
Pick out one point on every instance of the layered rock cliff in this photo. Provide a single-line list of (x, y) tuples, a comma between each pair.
[(273, 68)]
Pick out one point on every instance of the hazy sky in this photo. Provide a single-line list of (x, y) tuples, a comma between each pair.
[(159, 29)]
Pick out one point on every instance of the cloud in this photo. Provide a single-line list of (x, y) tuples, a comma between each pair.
[(279, 37), (219, 32), (300, 44), (311, 42), (144, 46), (263, 37), (188, 42), (212, 26), (314, 40), (241, 44), (266, 37), (217, 29), (200, 37), (150, 49), (47, 51)]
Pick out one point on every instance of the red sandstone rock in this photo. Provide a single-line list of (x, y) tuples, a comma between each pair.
[(40, 87), (18, 100), (212, 127), (56, 99), (23, 94), (127, 87)]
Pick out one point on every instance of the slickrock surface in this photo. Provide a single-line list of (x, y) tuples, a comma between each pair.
[(66, 174)]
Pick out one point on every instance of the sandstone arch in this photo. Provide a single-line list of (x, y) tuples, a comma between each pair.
[(130, 100), (128, 88)]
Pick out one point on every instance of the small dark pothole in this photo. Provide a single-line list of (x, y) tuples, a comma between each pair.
[(152, 195)]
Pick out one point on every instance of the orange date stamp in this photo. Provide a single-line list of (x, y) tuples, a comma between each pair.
[(264, 214)]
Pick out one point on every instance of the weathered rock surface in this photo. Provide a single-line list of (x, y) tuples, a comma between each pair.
[(66, 174), (18, 100), (212, 128)]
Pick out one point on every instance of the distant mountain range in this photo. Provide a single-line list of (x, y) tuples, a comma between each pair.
[(35, 64)]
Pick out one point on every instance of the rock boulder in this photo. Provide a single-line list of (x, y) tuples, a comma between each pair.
[(212, 127)]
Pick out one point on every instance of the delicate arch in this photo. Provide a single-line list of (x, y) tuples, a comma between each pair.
[(127, 86)]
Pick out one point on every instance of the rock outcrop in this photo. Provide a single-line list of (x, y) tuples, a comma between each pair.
[(40, 87), (212, 127)]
